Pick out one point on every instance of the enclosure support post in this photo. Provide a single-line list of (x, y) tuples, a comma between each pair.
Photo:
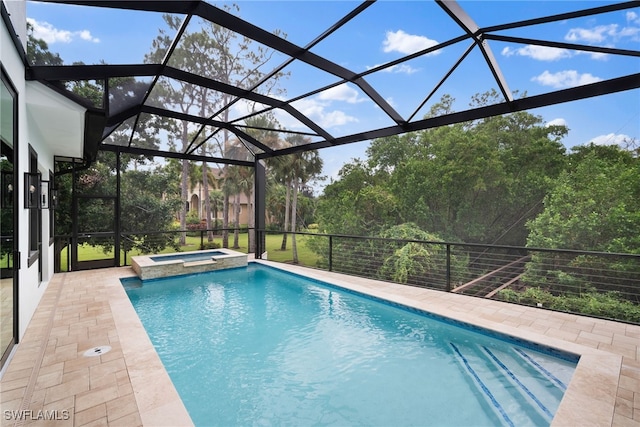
[(260, 186), (118, 225), (448, 268), (330, 253)]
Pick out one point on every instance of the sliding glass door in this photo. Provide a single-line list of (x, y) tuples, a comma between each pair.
[(8, 219)]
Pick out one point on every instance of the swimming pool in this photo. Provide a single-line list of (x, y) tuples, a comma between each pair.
[(258, 346)]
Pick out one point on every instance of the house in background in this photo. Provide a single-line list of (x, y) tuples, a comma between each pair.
[(196, 200), (36, 125), (197, 206)]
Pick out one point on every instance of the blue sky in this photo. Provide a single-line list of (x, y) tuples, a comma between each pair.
[(389, 30)]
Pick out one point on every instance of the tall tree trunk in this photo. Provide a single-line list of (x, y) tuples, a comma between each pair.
[(207, 199), (251, 221), (215, 213), (225, 200), (184, 194), (283, 247), (236, 221), (294, 207)]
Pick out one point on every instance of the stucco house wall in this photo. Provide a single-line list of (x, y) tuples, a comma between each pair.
[(51, 125)]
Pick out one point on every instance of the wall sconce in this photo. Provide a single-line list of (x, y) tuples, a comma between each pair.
[(32, 190), (44, 195), (53, 198)]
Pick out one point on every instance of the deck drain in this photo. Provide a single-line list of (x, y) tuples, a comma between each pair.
[(97, 351)]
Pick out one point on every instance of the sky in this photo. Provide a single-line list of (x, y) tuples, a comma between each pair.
[(387, 31)]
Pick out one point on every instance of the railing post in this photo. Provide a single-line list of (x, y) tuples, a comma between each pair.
[(69, 253), (448, 268), (330, 253), (201, 239)]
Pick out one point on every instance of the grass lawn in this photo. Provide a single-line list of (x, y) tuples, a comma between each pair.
[(273, 243)]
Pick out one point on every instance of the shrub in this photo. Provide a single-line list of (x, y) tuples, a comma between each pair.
[(608, 305)]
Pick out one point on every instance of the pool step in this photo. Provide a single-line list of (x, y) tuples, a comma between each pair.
[(514, 387), (557, 376), (520, 383)]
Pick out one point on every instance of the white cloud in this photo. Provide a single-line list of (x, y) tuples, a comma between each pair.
[(50, 34), (407, 44), (601, 35), (397, 69), (611, 139), (598, 56), (564, 79), (541, 53), (557, 122), (606, 33), (631, 32), (317, 110), (341, 93), (591, 35), (335, 118)]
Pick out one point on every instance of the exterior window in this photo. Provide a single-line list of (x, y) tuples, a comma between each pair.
[(52, 221)]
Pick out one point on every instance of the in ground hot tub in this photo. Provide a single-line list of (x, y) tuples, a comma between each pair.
[(180, 263)]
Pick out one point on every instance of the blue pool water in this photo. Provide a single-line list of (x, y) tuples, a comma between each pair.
[(190, 256), (257, 346)]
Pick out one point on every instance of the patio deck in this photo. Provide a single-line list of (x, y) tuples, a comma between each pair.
[(49, 376)]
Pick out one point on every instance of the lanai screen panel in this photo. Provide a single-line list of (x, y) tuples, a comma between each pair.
[(245, 83)]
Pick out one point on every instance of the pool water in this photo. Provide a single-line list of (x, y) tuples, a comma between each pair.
[(191, 256), (258, 346)]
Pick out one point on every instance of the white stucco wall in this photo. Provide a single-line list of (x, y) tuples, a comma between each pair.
[(33, 122), (18, 11)]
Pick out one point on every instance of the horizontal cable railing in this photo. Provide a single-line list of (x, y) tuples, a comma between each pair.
[(600, 284), (91, 247)]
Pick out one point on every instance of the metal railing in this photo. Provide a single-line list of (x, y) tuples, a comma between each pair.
[(599, 284), (94, 249)]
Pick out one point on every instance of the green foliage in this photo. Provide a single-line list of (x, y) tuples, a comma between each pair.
[(193, 218), (471, 182), (607, 305), (595, 205), (419, 262), (358, 203), (38, 52), (211, 245), (147, 205)]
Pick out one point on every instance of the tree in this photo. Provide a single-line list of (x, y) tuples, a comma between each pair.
[(216, 197), (594, 206), (442, 178), (231, 187), (418, 263), (337, 211), (304, 166), (281, 167), (38, 52), (215, 52)]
